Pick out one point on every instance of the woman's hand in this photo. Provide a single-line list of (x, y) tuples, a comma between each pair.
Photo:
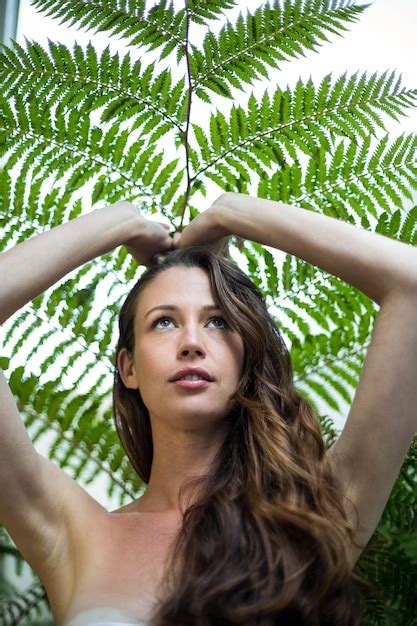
[(149, 239), (205, 230)]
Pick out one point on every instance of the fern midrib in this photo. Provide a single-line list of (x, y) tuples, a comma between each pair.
[(87, 156), (111, 89), (291, 294), (318, 190), (107, 166), (324, 363), (295, 123)]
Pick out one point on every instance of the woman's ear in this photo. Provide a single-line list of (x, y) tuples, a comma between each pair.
[(127, 369)]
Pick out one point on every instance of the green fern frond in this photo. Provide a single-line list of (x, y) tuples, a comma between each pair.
[(161, 28), (201, 11), (272, 34), (300, 118), (87, 81), (80, 438), (30, 603), (70, 145), (387, 564), (351, 183)]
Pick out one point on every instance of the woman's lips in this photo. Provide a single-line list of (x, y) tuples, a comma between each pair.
[(191, 384)]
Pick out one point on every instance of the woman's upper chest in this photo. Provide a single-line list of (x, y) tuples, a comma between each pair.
[(119, 562)]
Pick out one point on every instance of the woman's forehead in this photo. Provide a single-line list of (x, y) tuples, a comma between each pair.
[(177, 285)]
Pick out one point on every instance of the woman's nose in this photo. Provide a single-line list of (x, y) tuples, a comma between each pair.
[(185, 351), (191, 342)]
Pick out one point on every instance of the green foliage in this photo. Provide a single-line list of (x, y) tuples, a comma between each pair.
[(79, 123)]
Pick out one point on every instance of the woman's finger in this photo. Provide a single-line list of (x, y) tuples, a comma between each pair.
[(176, 238)]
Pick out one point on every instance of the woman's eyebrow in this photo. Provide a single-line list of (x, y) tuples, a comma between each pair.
[(172, 307)]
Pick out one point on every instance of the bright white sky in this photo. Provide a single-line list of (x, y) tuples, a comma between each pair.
[(384, 38)]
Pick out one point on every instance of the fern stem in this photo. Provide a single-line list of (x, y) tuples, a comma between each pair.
[(187, 127)]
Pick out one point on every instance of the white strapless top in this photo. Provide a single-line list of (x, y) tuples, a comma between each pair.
[(105, 617)]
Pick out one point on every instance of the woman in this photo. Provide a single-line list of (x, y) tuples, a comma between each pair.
[(246, 518)]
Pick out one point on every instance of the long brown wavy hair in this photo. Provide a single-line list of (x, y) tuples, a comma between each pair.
[(265, 541)]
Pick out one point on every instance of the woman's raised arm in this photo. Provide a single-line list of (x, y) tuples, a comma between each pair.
[(34, 493), (370, 262), (34, 265)]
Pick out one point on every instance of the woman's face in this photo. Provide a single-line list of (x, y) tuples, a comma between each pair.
[(189, 336)]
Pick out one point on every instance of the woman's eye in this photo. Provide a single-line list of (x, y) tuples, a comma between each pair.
[(163, 319), (221, 319)]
